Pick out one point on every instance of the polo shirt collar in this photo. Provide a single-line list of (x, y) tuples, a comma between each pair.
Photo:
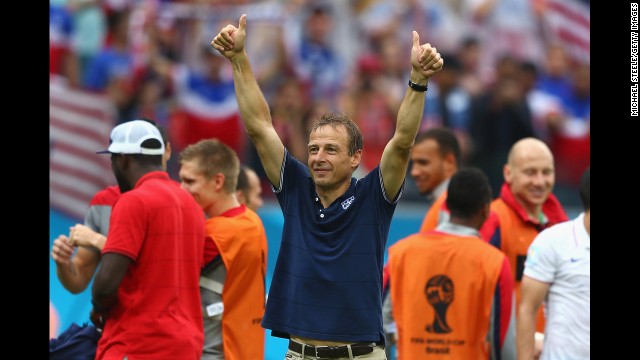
[(551, 208), (152, 175), (456, 229)]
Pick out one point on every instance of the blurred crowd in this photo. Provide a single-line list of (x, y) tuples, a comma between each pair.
[(506, 75)]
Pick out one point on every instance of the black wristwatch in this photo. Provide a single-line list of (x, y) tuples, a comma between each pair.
[(418, 87)]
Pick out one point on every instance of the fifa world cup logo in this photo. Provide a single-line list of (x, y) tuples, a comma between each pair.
[(439, 292)]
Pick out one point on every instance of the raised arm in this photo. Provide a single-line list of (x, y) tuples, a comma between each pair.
[(425, 62), (253, 106)]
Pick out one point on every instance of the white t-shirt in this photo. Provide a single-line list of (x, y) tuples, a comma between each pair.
[(561, 256)]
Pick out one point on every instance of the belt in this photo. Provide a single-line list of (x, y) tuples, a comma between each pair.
[(331, 351)]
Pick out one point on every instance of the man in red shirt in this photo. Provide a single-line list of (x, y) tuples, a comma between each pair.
[(146, 294), (75, 270)]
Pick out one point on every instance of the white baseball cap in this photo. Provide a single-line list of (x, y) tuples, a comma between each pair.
[(127, 138)]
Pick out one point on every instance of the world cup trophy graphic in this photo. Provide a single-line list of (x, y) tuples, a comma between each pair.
[(439, 292)]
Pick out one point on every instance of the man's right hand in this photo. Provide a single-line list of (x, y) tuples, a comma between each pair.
[(230, 40), (425, 59), (61, 251)]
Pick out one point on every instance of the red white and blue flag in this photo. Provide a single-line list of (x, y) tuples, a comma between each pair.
[(569, 23), (205, 110), (79, 125)]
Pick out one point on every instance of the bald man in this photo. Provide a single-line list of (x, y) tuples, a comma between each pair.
[(525, 206)]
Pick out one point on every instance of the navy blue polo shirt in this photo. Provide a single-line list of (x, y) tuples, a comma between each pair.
[(327, 283)]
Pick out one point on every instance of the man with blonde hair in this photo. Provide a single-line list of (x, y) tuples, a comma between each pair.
[(232, 284)]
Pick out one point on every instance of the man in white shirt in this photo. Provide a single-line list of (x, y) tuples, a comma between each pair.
[(558, 271)]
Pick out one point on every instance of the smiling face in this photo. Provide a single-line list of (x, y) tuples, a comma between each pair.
[(196, 184), (329, 162), (530, 173), (427, 166)]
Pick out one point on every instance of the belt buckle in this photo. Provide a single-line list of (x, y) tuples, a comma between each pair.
[(315, 348)]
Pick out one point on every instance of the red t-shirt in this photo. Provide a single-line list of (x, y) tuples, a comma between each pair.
[(158, 316)]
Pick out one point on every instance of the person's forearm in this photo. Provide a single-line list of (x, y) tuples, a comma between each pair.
[(526, 328), (104, 293), (70, 278), (410, 113), (253, 106), (98, 241), (102, 302)]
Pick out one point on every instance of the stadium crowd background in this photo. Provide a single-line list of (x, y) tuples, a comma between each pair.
[(513, 69)]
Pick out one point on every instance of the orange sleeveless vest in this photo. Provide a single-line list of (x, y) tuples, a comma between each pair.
[(242, 243), (442, 290), (433, 215), (515, 236)]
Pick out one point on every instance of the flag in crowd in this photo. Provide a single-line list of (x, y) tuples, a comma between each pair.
[(569, 22), (79, 125)]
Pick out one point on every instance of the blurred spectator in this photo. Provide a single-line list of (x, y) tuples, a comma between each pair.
[(555, 79), (469, 55), (499, 117), (449, 104), (546, 109), (570, 139), (393, 72), (505, 27), (288, 110), (439, 20), (62, 59), (151, 102), (315, 61), (90, 23), (369, 103), (206, 105), (571, 143), (112, 70)]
